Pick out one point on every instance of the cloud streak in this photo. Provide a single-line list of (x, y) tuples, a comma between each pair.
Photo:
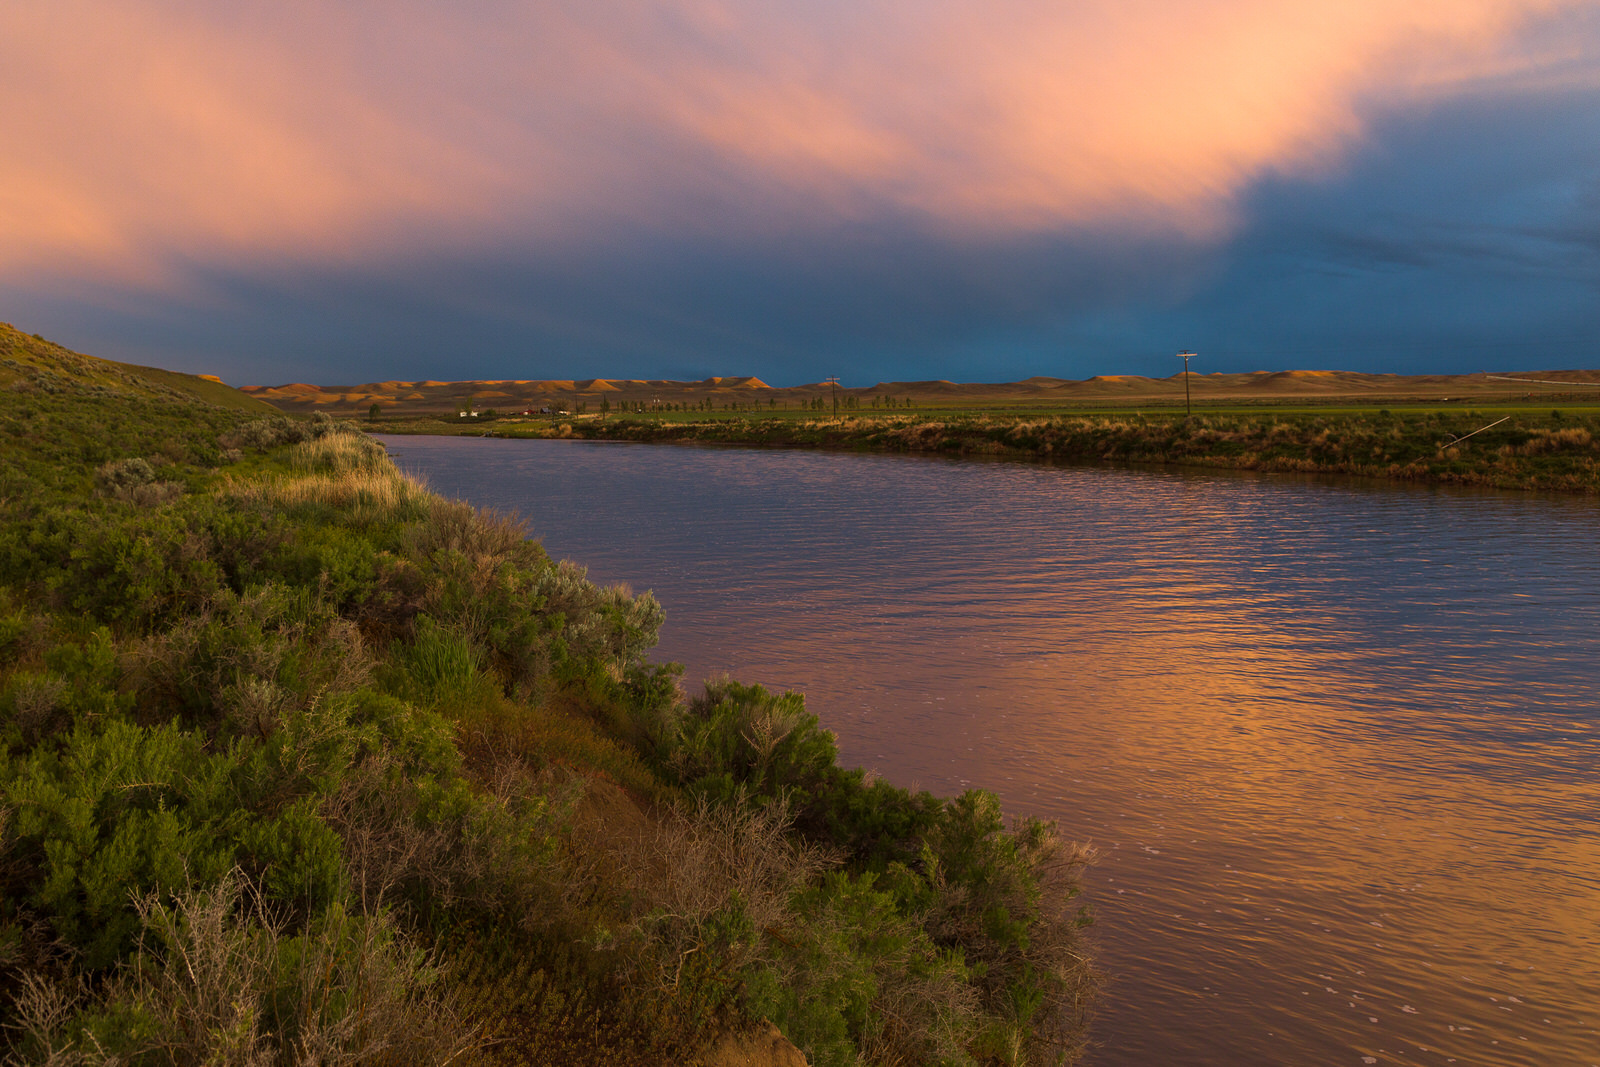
[(144, 138)]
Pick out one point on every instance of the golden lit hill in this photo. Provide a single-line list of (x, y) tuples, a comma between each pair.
[(48, 365)]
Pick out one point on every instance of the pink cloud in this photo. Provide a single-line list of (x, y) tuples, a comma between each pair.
[(143, 135)]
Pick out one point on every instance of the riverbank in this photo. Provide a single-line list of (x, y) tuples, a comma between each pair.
[(1245, 688), (1545, 450), (301, 762)]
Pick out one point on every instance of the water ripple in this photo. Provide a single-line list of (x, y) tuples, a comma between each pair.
[(1335, 742)]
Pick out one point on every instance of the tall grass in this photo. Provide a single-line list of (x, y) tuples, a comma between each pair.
[(441, 664), (340, 469), (339, 452), (377, 493)]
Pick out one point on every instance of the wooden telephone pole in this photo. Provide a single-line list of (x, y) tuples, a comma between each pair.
[(1188, 409)]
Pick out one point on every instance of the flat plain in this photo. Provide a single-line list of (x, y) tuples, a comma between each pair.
[(1313, 389), (1523, 431)]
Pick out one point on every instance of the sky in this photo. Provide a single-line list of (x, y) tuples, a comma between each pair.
[(979, 190)]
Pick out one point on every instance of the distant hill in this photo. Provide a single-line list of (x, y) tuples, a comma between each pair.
[(504, 395), (30, 357), (431, 397)]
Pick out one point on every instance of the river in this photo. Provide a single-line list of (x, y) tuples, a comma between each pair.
[(1337, 744)]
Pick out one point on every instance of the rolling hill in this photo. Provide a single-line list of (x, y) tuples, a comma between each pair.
[(48, 365)]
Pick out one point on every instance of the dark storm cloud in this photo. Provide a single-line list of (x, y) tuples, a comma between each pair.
[(692, 187), (869, 308), (1457, 240)]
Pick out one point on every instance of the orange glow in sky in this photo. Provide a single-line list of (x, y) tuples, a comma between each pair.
[(142, 135)]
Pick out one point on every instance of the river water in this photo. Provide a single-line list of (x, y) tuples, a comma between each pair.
[(1337, 744)]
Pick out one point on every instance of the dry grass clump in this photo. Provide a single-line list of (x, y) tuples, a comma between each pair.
[(338, 453), (215, 991), (494, 857), (134, 480), (486, 537), (36, 706), (632, 963), (702, 859), (550, 733), (921, 436), (380, 494), (220, 979), (1570, 437), (338, 469)]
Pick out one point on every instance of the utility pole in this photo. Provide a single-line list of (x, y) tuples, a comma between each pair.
[(834, 381), (1188, 409)]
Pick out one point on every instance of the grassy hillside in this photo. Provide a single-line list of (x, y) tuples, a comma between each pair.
[(303, 764), (47, 366)]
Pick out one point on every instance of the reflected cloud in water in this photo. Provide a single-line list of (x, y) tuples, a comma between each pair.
[(1334, 742)]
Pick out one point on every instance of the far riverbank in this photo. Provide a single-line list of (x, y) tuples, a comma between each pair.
[(1551, 450)]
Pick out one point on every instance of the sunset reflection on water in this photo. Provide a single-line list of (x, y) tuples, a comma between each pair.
[(1335, 743)]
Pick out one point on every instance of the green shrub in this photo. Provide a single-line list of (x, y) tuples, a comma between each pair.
[(962, 924), (121, 475), (1003, 897), (240, 662), (858, 976), (264, 733), (16, 626), (122, 568), (297, 856), (275, 430), (80, 681), (529, 616), (118, 808), (740, 740), (338, 563)]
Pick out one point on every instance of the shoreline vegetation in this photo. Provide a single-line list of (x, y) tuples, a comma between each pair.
[(301, 763), (1547, 449), (1537, 430)]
